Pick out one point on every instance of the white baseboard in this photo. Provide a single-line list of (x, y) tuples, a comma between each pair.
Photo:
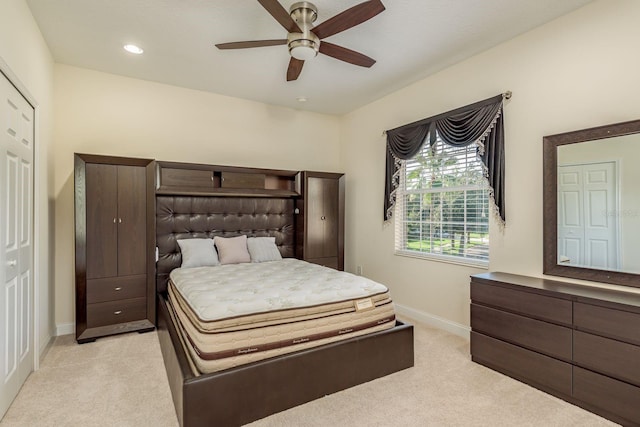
[(435, 321), (45, 345), (65, 329)]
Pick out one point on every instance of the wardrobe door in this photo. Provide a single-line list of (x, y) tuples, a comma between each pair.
[(131, 221), (102, 228), (323, 219), (315, 212), (330, 216)]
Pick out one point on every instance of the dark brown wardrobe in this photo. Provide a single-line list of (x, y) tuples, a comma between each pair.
[(321, 219), (114, 221)]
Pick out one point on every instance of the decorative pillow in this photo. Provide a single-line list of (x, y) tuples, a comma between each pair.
[(232, 250), (263, 249), (198, 253)]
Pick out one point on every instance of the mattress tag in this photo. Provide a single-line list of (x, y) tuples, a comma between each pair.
[(364, 304)]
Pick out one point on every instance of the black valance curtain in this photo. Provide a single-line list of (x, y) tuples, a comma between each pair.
[(481, 123)]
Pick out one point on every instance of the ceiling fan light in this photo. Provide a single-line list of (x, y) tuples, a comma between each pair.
[(303, 53), (303, 46)]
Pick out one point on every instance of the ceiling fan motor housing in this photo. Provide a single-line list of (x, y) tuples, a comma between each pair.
[(304, 45)]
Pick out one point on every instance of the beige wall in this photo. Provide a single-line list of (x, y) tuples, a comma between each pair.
[(576, 72), (106, 114), (25, 58)]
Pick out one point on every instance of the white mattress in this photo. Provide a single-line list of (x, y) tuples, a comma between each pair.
[(236, 314), (222, 296)]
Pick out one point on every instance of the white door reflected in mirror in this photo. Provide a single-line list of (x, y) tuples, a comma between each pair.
[(596, 198)]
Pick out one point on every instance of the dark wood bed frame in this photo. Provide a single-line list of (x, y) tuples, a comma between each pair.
[(247, 393)]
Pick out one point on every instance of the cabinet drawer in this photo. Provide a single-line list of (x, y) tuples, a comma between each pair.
[(113, 312), (533, 305), (614, 358), (242, 180), (615, 397), (331, 262), (621, 325), (116, 288), (528, 366), (187, 178), (543, 337)]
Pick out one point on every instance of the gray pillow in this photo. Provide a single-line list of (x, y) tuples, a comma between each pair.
[(198, 253), (263, 249)]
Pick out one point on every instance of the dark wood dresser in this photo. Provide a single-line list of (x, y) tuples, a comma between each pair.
[(114, 223), (579, 343)]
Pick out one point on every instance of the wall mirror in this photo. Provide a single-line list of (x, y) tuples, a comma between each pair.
[(592, 204)]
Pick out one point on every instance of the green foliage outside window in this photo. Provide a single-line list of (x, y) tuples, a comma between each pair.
[(445, 204)]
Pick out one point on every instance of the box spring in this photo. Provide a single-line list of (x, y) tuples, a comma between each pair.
[(246, 393)]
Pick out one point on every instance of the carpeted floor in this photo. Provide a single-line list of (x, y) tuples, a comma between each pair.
[(121, 381)]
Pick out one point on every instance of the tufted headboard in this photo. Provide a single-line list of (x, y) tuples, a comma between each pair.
[(184, 217)]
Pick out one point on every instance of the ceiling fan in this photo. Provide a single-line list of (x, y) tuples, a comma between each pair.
[(303, 39)]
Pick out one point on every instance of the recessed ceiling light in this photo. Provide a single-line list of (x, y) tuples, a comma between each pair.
[(302, 99), (132, 48)]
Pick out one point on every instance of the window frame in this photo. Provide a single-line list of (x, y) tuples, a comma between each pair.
[(400, 235)]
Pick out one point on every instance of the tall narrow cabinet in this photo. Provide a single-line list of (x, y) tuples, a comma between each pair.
[(114, 222), (321, 219)]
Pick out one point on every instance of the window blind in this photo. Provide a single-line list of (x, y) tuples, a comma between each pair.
[(442, 208)]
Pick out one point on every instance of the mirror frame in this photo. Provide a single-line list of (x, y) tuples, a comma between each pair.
[(550, 201)]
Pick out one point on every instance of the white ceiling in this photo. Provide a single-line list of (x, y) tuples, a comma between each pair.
[(410, 40)]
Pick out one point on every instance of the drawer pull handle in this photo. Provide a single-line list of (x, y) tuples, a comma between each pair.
[(118, 288), (117, 312)]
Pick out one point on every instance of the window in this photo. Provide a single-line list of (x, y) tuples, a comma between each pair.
[(442, 208)]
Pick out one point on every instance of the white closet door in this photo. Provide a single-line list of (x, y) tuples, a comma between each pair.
[(16, 242), (601, 216), (587, 216), (570, 215)]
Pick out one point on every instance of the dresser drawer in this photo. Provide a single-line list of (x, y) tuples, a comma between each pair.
[(530, 367), (543, 337), (113, 312), (116, 288), (529, 304), (607, 356), (621, 325), (615, 397)]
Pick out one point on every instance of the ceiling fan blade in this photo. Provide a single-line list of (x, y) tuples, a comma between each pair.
[(281, 15), (346, 55), (349, 18), (295, 67), (248, 44)]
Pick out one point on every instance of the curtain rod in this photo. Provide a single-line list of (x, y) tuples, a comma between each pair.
[(506, 95)]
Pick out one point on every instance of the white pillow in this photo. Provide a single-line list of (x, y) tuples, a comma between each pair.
[(263, 249), (198, 253), (232, 250)]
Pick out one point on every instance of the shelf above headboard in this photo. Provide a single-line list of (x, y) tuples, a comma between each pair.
[(190, 179)]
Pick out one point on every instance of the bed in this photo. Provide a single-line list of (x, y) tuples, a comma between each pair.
[(213, 393)]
